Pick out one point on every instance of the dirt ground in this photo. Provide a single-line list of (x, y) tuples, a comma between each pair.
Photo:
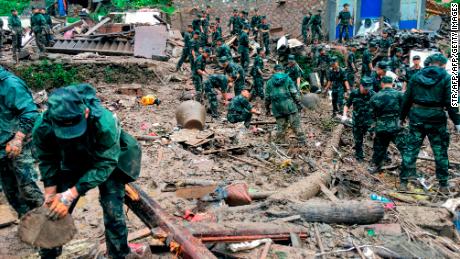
[(166, 161)]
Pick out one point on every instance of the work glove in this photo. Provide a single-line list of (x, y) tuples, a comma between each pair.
[(14, 146), (457, 127), (60, 204)]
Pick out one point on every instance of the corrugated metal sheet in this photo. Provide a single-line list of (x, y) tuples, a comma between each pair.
[(150, 42), (105, 47)]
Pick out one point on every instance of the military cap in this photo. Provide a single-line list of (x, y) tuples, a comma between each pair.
[(207, 50), (437, 58), (245, 12), (264, 17), (416, 57), (67, 113), (247, 88), (245, 27), (278, 67), (259, 50), (235, 10), (217, 18), (223, 59), (219, 39), (319, 10), (399, 50), (197, 32), (199, 15), (334, 59), (291, 58), (212, 24), (12, 10), (387, 80), (256, 9), (367, 82), (372, 44), (382, 65), (346, 5)]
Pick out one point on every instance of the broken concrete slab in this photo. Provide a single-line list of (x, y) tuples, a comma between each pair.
[(150, 42)]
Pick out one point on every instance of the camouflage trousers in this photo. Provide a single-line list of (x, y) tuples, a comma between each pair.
[(235, 118), (305, 35), (40, 40), (351, 78), (239, 86), (198, 83), (212, 99), (438, 136), (316, 32), (244, 57), (18, 178), (111, 198), (283, 123), (382, 141), (343, 28), (17, 41), (359, 131), (183, 57), (258, 87), (337, 101), (266, 41)]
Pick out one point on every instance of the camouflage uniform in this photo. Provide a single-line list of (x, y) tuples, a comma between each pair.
[(410, 72), (198, 64), (426, 99), (282, 95), (104, 156), (384, 45), (344, 18), (17, 113), (266, 37), (256, 70), (236, 72), (224, 51), (367, 59), (396, 64), (15, 26), (361, 118), (338, 78), (294, 72), (304, 29), (255, 22), (196, 24), (38, 24), (386, 108), (186, 50), (323, 64), (351, 61), (315, 24), (377, 81), (243, 49), (214, 81), (239, 110)]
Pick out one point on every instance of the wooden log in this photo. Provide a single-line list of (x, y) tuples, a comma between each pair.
[(152, 215), (347, 212), (209, 152), (310, 186)]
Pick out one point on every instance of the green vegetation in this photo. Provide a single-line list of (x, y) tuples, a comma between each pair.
[(48, 75), (6, 6), (164, 5), (447, 4)]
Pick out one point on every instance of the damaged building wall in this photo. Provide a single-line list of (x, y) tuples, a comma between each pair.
[(286, 14)]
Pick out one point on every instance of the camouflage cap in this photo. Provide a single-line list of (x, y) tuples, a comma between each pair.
[(382, 65), (334, 59), (416, 57), (437, 58), (259, 50), (372, 44), (291, 58), (197, 32), (235, 10), (367, 82), (217, 18), (66, 111), (223, 59), (387, 79), (219, 39), (278, 67), (207, 50), (399, 50)]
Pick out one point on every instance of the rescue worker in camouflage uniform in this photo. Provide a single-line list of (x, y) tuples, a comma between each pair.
[(264, 28), (257, 74), (360, 101), (198, 71), (322, 64), (343, 21), (218, 27), (197, 23), (385, 109), (378, 74), (48, 27), (368, 53), (244, 20), (426, 100), (220, 82), (397, 61), (256, 20), (305, 28), (412, 70), (79, 146), (235, 74), (282, 96), (233, 23), (38, 25), (187, 47), (195, 46), (315, 26), (215, 34), (205, 23), (18, 113), (351, 65), (223, 50), (240, 110), (294, 71), (243, 48), (338, 83), (15, 26), (384, 45)]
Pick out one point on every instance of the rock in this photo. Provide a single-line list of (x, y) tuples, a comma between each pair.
[(310, 101)]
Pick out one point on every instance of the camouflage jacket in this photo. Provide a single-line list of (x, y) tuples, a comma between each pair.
[(351, 61), (243, 41), (239, 106), (430, 91), (236, 72), (262, 26), (367, 59), (338, 78), (198, 64), (361, 105), (281, 93), (386, 108), (293, 72), (257, 67), (410, 72), (223, 51)]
